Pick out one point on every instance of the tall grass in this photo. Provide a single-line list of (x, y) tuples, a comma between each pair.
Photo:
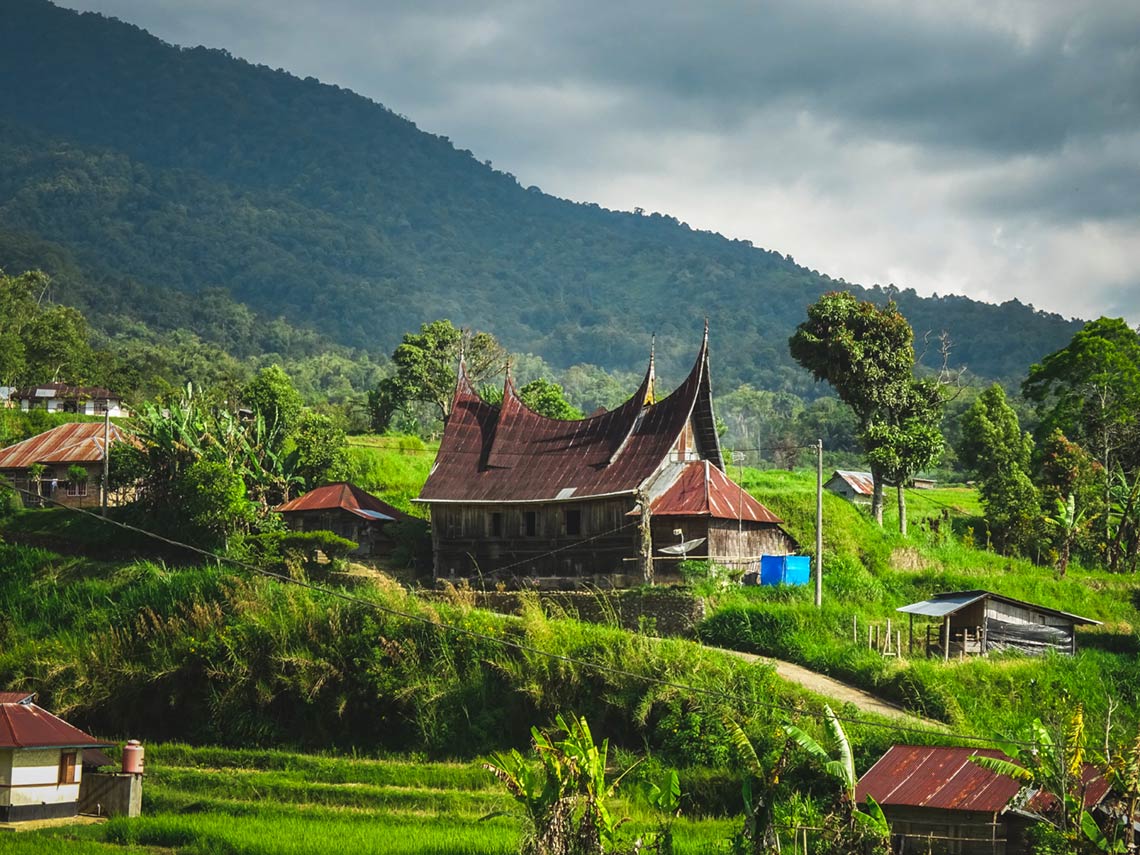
[(392, 467)]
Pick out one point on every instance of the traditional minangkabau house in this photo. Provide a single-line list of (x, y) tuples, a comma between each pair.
[(515, 494)]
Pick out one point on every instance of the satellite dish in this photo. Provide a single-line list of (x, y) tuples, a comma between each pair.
[(682, 548)]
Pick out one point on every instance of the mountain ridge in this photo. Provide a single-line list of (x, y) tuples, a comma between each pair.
[(187, 169)]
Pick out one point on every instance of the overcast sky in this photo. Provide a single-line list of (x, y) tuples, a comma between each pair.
[(988, 148)]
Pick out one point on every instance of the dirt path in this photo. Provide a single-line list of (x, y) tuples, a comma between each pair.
[(836, 691)]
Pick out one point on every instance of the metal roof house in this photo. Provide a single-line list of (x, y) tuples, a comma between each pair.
[(976, 622), (65, 398), (41, 763), (938, 800), (75, 444), (854, 486), (516, 494), (347, 510)]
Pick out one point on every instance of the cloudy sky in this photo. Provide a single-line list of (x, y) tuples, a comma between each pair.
[(990, 148)]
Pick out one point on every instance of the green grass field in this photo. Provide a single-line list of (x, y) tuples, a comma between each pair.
[(209, 800)]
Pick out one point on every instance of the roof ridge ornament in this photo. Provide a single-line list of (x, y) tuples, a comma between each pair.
[(651, 391)]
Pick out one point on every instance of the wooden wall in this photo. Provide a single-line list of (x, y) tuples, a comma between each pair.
[(466, 543)]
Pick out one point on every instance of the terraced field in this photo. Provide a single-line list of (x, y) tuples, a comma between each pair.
[(226, 802)]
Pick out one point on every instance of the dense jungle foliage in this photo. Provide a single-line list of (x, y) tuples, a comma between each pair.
[(166, 172)]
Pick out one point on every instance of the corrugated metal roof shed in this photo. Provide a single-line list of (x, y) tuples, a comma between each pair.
[(703, 490), (346, 497), (24, 725), (17, 697), (76, 442), (941, 777), (513, 454), (936, 777), (862, 483), (941, 605)]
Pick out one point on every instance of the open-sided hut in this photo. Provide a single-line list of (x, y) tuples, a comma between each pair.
[(515, 494), (976, 622), (348, 511), (41, 761)]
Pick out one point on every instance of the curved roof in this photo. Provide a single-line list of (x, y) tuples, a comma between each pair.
[(510, 453), (346, 497)]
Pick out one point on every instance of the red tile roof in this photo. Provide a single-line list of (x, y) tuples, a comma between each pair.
[(347, 497), (76, 442), (703, 490), (24, 725), (512, 454), (946, 778)]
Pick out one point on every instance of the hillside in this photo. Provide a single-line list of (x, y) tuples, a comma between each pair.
[(159, 171)]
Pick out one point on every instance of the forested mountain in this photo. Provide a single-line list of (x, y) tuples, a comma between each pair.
[(163, 172)]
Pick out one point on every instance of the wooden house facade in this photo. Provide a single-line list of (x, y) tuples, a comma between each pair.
[(348, 511), (60, 451), (514, 494)]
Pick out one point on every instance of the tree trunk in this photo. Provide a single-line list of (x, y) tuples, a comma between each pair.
[(902, 511), (877, 497)]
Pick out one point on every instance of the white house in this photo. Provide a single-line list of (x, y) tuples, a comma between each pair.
[(41, 761), (64, 398)]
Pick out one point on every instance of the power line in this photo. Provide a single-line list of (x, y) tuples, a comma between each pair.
[(515, 645)]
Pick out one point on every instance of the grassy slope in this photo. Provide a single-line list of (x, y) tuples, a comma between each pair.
[(392, 467), (869, 572)]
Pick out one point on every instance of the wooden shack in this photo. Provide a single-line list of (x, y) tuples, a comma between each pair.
[(940, 802), (855, 487), (978, 622), (41, 761), (514, 494), (348, 511)]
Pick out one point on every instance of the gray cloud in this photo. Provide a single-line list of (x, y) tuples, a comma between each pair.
[(983, 147)]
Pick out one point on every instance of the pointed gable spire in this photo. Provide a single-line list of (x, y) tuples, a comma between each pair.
[(651, 386)]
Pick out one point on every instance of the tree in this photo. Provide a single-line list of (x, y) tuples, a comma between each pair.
[(907, 438), (319, 453), (542, 396), (866, 353), (996, 450), (212, 500), (271, 394), (426, 369), (1072, 492)]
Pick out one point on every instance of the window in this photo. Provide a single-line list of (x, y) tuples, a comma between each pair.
[(496, 524), (77, 488), (67, 767), (573, 519), (530, 523)]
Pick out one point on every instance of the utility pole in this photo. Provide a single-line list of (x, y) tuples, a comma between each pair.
[(106, 456), (819, 523)]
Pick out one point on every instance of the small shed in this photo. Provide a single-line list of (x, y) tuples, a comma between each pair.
[(938, 800), (854, 486), (976, 622), (41, 761), (347, 510)]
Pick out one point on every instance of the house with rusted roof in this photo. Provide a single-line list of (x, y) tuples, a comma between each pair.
[(619, 497), (348, 511), (66, 398), (62, 452), (41, 761), (938, 800), (856, 487)]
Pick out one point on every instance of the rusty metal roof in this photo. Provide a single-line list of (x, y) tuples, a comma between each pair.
[(862, 483), (24, 725), (17, 697), (946, 778), (75, 442), (937, 777), (346, 497), (63, 391), (948, 603), (510, 453), (703, 490)]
